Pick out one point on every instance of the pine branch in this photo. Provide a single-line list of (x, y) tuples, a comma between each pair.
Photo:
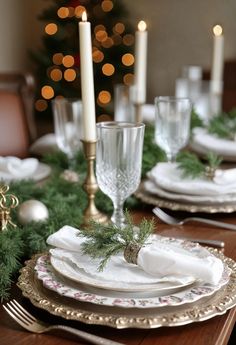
[(224, 125), (103, 241), (193, 167)]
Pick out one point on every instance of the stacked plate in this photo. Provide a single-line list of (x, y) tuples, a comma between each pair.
[(202, 142), (166, 187), (66, 289)]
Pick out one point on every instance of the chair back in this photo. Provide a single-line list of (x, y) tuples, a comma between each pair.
[(17, 126)]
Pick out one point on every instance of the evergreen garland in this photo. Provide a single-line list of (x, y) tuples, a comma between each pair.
[(65, 201), (224, 125)]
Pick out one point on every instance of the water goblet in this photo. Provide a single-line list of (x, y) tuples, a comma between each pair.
[(68, 126), (119, 162), (172, 124)]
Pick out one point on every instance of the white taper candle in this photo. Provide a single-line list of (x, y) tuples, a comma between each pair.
[(140, 65), (87, 82), (218, 60)]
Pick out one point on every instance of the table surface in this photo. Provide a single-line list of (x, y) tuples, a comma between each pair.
[(215, 331)]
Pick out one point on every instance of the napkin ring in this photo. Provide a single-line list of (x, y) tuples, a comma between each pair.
[(210, 172), (131, 252)]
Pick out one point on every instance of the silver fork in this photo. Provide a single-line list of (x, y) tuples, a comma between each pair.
[(166, 218), (29, 322)]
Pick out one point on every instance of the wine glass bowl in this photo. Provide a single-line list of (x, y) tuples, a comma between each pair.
[(67, 125), (172, 124), (119, 162)]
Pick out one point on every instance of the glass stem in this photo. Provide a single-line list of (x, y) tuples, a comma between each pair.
[(171, 157), (118, 217)]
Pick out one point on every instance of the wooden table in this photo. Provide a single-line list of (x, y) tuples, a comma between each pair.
[(215, 331)]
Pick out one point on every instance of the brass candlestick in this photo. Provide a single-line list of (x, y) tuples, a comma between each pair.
[(138, 112), (91, 186)]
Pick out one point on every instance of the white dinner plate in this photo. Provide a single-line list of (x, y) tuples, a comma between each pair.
[(152, 188), (73, 272), (82, 292), (202, 142)]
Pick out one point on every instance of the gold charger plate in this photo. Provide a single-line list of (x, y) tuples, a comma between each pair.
[(116, 317), (155, 200)]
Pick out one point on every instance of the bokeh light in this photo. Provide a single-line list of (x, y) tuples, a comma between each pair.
[(107, 5), (70, 74), (68, 61), (108, 69), (128, 59), (79, 10), (104, 97), (56, 74), (47, 92), (128, 79), (119, 28), (57, 58), (128, 40), (41, 105), (98, 56), (51, 29), (63, 12)]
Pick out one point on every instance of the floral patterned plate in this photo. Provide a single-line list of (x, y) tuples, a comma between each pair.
[(84, 293)]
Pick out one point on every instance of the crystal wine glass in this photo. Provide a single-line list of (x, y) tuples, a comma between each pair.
[(172, 124), (67, 125), (119, 162)]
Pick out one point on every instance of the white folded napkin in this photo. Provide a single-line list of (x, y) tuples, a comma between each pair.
[(160, 260), (169, 177), (213, 143), (45, 144), (13, 168)]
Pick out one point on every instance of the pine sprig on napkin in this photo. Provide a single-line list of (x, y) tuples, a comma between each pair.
[(103, 241), (193, 167), (224, 125)]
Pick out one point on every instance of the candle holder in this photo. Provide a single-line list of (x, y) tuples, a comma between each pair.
[(138, 112), (91, 186)]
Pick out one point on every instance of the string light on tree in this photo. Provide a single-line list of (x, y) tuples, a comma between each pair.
[(59, 60)]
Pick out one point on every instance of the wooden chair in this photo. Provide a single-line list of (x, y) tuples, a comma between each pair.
[(17, 126)]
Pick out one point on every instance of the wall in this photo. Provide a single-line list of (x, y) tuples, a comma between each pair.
[(20, 31), (179, 34)]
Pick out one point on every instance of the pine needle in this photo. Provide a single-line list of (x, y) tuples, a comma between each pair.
[(103, 241), (193, 167), (224, 125)]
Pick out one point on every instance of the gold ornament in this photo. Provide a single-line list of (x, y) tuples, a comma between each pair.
[(7, 202)]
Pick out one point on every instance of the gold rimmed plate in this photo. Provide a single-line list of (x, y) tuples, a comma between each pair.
[(155, 200), (116, 317)]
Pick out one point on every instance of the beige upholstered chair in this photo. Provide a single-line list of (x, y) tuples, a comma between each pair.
[(17, 126)]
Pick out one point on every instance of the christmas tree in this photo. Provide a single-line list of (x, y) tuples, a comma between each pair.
[(58, 62)]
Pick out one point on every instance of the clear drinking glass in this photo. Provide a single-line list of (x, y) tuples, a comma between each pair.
[(124, 102), (68, 126), (172, 124), (119, 162)]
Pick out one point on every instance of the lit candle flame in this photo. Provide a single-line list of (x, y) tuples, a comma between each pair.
[(84, 16), (217, 30), (142, 25)]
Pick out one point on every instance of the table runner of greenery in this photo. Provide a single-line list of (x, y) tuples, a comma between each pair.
[(65, 201)]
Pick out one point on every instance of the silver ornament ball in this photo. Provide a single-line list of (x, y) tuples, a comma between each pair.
[(32, 210)]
